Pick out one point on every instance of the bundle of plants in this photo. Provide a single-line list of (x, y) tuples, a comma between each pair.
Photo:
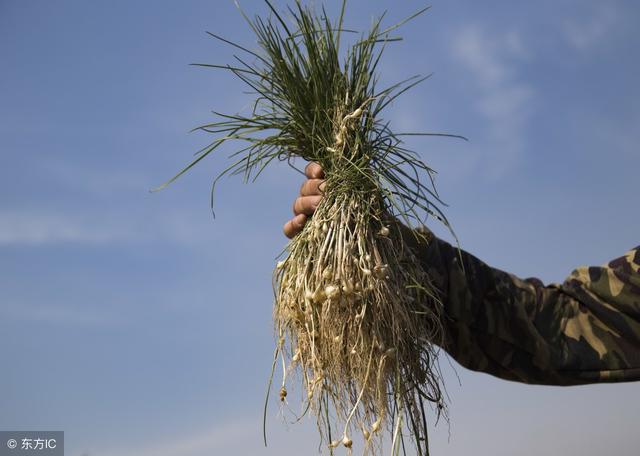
[(357, 320)]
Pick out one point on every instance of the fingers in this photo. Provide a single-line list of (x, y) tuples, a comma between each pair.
[(303, 207), (314, 171), (306, 204), (312, 187), (295, 225)]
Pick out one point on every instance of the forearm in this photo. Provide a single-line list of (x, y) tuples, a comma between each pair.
[(521, 330)]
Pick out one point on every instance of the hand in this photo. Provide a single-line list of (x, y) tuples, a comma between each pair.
[(310, 196)]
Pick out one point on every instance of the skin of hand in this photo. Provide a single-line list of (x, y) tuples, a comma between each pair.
[(310, 196), (305, 205)]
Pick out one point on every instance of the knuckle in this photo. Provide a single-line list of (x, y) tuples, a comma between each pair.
[(308, 170), (313, 170), (299, 222), (304, 188), (312, 186)]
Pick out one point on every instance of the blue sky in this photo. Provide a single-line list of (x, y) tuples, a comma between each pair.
[(140, 326)]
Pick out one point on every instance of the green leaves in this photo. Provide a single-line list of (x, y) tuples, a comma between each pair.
[(306, 89)]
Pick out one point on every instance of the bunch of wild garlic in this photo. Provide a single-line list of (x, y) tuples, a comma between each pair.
[(355, 314)]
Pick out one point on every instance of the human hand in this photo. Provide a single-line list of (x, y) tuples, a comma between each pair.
[(310, 196), (305, 204)]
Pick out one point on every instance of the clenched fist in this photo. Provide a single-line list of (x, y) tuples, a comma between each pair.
[(305, 204)]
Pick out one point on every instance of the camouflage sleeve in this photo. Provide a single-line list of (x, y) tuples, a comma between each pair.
[(585, 330)]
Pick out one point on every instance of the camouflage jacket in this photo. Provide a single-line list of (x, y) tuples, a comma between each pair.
[(584, 330)]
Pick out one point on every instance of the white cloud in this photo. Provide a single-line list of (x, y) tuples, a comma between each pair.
[(37, 229), (504, 100), (84, 226), (210, 440), (57, 314), (474, 49), (242, 436), (586, 33), (618, 135), (93, 180)]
